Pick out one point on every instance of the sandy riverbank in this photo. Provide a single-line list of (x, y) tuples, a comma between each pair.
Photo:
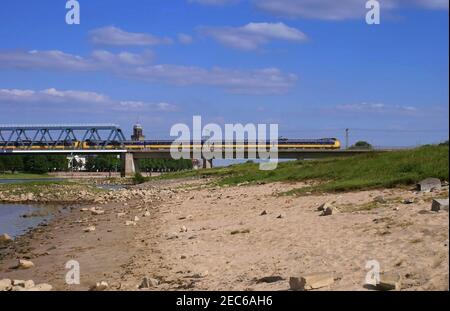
[(192, 236)]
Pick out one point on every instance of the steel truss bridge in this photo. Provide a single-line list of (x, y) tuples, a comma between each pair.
[(27, 136)]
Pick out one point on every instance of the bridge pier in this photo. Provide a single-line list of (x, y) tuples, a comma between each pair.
[(130, 165), (207, 164)]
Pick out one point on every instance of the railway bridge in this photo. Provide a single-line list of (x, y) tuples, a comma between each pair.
[(93, 139)]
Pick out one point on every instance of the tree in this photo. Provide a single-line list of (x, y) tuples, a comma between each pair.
[(36, 164), (103, 163), (362, 145), (13, 163)]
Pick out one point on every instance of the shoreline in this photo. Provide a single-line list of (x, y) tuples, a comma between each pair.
[(183, 227)]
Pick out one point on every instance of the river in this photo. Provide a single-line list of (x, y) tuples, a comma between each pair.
[(13, 222)]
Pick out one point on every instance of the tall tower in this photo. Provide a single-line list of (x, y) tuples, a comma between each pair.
[(138, 133)]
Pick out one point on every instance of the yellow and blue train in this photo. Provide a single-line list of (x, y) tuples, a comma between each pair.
[(165, 145)]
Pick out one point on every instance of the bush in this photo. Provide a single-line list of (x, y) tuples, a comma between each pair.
[(139, 179), (362, 145)]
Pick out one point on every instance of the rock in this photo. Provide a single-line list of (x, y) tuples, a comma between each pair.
[(41, 288), (330, 210), (5, 285), (183, 229), (23, 284), (130, 223), (28, 284), (171, 236), (148, 283), (270, 279), (97, 212), (25, 264), (5, 239), (311, 281), (136, 219), (389, 281), (121, 215), (240, 231), (89, 229), (201, 275), (429, 184), (263, 213), (147, 214), (324, 206), (100, 286), (20, 283), (409, 201), (380, 199), (439, 205)]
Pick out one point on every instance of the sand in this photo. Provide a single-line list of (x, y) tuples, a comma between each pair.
[(210, 238)]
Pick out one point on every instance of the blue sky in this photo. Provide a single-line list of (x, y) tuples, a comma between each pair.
[(313, 67)]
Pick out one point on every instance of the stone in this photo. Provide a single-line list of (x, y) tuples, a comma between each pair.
[(324, 206), (409, 201), (5, 285), (148, 283), (380, 199), (97, 212), (25, 264), (136, 219), (5, 239), (28, 284), (429, 184), (183, 229), (99, 286), (201, 275), (263, 213), (439, 205), (330, 210), (41, 288), (121, 215), (311, 281), (24, 284), (270, 279), (147, 214), (171, 236), (89, 229), (389, 281), (20, 283), (130, 223)]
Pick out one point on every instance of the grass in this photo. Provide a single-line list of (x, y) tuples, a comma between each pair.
[(22, 176), (369, 171)]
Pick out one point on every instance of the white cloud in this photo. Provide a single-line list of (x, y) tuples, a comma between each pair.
[(184, 38), (339, 10), (257, 82), (253, 35), (89, 101), (376, 107), (117, 37), (138, 66)]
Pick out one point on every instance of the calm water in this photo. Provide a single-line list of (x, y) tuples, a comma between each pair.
[(13, 223), (20, 181)]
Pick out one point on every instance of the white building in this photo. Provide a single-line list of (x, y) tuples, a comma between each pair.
[(80, 160)]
